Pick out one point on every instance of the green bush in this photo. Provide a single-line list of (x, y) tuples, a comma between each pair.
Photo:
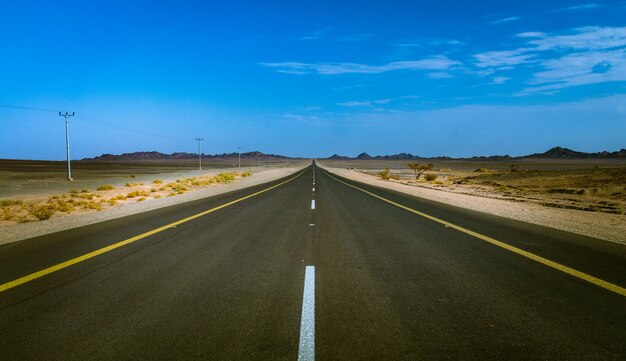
[(106, 187), (430, 177)]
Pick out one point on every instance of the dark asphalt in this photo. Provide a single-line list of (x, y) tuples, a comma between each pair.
[(390, 285)]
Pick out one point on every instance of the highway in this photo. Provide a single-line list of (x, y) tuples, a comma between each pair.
[(312, 266)]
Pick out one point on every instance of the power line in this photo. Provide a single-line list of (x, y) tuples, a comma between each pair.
[(20, 107)]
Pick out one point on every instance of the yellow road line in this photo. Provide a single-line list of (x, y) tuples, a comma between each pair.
[(73, 261), (570, 271)]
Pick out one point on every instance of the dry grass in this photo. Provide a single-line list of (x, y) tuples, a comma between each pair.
[(134, 194), (589, 185), (14, 210)]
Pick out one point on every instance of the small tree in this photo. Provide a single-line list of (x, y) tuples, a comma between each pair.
[(420, 168), (384, 174)]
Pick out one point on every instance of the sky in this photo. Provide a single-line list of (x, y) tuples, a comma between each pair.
[(311, 79)]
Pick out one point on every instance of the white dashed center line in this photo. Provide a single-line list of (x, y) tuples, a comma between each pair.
[(306, 352), (313, 204)]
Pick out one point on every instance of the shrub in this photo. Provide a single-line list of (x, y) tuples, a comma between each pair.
[(137, 194), (430, 177), (384, 174), (157, 196), (73, 191), (179, 188), (41, 212), (246, 173), (11, 202), (106, 187), (131, 184), (91, 205), (157, 181), (62, 205), (130, 176), (225, 177), (84, 190), (141, 199)]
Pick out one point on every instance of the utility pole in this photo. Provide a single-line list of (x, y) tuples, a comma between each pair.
[(67, 116), (199, 152), (239, 152)]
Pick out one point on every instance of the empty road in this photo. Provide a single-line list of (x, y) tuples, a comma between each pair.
[(312, 267)]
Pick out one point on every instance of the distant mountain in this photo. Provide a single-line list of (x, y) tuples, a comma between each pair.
[(338, 157), (554, 153), (179, 155), (364, 156), (565, 153)]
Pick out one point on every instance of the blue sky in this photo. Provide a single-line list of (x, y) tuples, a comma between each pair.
[(311, 79)]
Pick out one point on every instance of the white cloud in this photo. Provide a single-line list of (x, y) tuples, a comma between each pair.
[(500, 79), (315, 35), (503, 58), (366, 103), (439, 75), (356, 104), (505, 20), (586, 55), (589, 6), (301, 118), (531, 34), (438, 62), (587, 38)]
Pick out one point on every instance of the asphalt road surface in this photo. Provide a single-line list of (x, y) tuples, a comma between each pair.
[(312, 268)]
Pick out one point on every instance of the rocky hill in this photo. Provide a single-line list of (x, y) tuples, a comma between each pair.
[(136, 156), (554, 153)]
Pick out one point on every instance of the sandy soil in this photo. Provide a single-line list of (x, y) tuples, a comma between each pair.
[(610, 227), (15, 232)]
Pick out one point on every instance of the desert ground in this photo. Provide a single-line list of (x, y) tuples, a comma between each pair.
[(581, 196), (36, 191)]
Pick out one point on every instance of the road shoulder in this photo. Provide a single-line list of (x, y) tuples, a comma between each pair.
[(609, 227)]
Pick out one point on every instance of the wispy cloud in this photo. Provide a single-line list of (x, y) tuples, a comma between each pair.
[(586, 55), (431, 42), (439, 75), (366, 103), (505, 20), (531, 34), (586, 38), (439, 62), (501, 58), (500, 79), (589, 6), (315, 35)]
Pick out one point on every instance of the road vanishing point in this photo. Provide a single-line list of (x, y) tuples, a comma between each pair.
[(312, 266)]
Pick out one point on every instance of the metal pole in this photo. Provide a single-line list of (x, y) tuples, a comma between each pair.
[(67, 116), (199, 152), (239, 153)]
